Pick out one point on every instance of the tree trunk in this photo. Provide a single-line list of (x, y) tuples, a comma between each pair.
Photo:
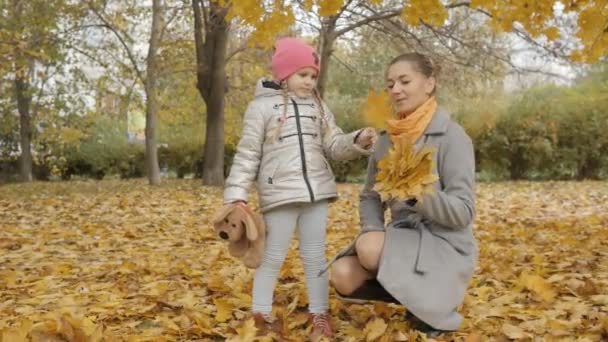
[(326, 43), (151, 95), (211, 83), (24, 100)]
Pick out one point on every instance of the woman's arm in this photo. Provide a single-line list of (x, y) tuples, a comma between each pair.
[(454, 205), (371, 209), (246, 161)]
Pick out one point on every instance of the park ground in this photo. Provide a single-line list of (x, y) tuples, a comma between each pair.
[(123, 261)]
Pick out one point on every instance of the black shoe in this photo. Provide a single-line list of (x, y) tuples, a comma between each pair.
[(421, 326), (371, 290)]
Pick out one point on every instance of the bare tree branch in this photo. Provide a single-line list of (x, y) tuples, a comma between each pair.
[(366, 21), (121, 39), (236, 51)]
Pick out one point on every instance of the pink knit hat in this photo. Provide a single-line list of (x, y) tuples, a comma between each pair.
[(291, 55)]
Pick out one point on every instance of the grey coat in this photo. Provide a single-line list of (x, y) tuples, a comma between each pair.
[(292, 167), (429, 250)]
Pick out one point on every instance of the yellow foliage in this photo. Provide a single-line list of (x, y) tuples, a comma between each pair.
[(374, 329), (121, 261), (535, 17), (268, 21), (537, 285), (552, 33), (405, 173), (269, 27), (246, 332), (593, 26), (432, 12), (329, 7), (377, 109)]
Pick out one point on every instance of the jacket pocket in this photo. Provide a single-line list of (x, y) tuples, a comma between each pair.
[(268, 171)]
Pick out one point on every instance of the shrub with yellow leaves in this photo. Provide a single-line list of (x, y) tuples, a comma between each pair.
[(405, 173)]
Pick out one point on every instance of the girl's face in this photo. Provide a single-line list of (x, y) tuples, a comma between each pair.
[(408, 87), (302, 82)]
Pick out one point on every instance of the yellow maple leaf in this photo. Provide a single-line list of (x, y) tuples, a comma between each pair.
[(224, 310), (246, 332), (537, 285), (514, 332), (375, 329), (17, 334), (405, 173), (377, 109)]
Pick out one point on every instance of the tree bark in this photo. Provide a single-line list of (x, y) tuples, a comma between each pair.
[(326, 43), (211, 83), (24, 101), (151, 94)]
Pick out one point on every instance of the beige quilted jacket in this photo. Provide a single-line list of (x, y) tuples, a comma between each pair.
[(292, 168)]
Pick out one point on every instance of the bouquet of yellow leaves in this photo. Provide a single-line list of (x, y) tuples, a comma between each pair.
[(405, 173)]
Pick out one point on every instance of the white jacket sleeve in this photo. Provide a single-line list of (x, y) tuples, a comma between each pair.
[(339, 145), (246, 161)]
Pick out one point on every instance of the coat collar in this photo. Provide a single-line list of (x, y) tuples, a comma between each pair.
[(439, 123)]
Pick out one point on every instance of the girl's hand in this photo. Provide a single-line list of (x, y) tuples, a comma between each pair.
[(367, 138)]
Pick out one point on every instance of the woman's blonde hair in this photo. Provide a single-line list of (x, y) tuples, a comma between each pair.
[(422, 63)]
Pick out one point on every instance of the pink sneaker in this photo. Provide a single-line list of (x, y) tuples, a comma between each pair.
[(321, 326), (265, 324)]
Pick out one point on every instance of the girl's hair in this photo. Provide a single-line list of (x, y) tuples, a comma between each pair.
[(283, 117), (422, 63)]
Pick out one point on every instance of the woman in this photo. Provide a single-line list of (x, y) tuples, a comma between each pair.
[(425, 257)]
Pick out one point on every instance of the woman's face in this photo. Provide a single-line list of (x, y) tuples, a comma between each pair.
[(408, 87)]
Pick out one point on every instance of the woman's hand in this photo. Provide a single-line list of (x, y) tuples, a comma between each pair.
[(367, 138)]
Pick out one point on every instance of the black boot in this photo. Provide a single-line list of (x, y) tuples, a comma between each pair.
[(371, 290), (418, 324)]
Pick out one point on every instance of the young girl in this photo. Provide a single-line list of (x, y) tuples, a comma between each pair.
[(288, 132)]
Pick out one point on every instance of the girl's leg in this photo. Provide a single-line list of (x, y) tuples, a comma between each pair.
[(312, 231), (280, 224), (347, 275)]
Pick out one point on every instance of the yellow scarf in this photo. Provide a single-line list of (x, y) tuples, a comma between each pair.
[(415, 123)]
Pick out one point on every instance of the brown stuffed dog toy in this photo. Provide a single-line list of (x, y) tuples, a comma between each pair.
[(245, 231)]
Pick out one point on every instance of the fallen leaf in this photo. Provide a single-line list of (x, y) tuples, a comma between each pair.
[(514, 332), (374, 329), (224, 310), (538, 285)]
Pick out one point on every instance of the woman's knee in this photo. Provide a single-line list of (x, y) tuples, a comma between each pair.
[(369, 249), (346, 275)]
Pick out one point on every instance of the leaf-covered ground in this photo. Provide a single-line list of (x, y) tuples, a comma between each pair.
[(118, 260)]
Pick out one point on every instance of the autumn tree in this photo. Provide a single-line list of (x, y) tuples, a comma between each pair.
[(111, 19), (28, 44), (212, 20), (535, 21)]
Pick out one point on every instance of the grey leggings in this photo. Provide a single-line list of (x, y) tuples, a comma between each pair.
[(281, 222)]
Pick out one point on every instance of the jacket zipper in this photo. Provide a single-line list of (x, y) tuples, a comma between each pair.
[(302, 156)]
